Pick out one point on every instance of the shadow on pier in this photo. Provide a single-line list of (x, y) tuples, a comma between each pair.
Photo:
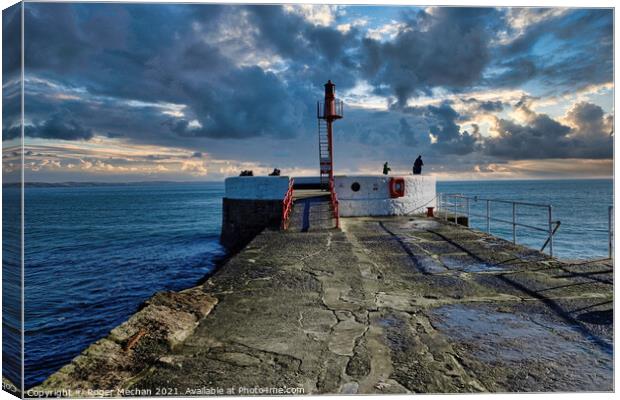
[(311, 211)]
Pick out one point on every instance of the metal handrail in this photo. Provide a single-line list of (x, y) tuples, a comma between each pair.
[(287, 204), (334, 201), (320, 108), (446, 206)]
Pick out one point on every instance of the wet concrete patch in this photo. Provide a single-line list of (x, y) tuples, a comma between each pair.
[(437, 246), (421, 360), (424, 224), (466, 263), (503, 338), (428, 264)]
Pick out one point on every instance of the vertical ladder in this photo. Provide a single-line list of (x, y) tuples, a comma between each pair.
[(325, 160)]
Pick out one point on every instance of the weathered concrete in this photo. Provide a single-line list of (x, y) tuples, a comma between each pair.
[(394, 305), (110, 364)]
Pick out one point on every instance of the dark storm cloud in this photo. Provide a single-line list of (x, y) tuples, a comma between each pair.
[(448, 48), (484, 105), (11, 42), (61, 125), (11, 132), (176, 65), (458, 49), (442, 123), (105, 115), (407, 133), (590, 119), (11, 68), (179, 75), (316, 52), (125, 54), (249, 102), (570, 50), (543, 137)]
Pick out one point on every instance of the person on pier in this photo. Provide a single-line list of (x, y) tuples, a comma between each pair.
[(417, 165), (386, 169)]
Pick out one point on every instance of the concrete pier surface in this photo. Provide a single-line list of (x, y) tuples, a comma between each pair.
[(384, 305)]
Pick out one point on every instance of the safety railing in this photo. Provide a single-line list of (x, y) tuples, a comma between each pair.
[(334, 201), (287, 204), (458, 204), (338, 109)]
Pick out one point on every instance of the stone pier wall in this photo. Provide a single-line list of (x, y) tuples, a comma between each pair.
[(243, 219), (251, 204)]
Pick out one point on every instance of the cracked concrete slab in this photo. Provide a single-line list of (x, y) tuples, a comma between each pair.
[(393, 305)]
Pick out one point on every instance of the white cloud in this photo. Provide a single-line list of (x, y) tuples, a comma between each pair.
[(361, 96), (195, 167), (519, 19), (356, 23), (194, 124), (317, 14), (386, 32)]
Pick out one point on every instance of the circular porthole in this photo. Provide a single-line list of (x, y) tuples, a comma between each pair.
[(355, 187)]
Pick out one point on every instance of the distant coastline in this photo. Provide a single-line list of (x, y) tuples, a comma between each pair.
[(94, 184), (154, 183)]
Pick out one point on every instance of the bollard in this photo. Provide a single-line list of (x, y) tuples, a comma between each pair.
[(429, 212)]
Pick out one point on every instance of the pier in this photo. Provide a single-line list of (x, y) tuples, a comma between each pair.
[(389, 304), (347, 285)]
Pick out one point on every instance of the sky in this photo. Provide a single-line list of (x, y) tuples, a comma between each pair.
[(136, 92)]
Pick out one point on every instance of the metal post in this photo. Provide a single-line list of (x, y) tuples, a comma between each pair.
[(610, 232), (551, 231), (488, 217), (514, 223), (456, 198), (468, 211)]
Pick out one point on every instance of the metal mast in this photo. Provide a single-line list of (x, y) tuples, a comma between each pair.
[(327, 112)]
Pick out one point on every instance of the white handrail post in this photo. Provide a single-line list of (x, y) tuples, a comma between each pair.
[(514, 223), (456, 198), (468, 211), (551, 230)]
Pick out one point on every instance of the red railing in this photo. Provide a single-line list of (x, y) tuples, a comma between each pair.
[(334, 200), (287, 205)]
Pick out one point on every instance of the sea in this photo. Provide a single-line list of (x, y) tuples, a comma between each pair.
[(95, 253)]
